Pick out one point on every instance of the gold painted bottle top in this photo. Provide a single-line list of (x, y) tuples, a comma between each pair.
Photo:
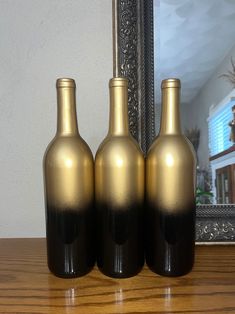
[(170, 165), (119, 163), (68, 161), (66, 112), (170, 119), (118, 82), (171, 83), (65, 82), (118, 119)]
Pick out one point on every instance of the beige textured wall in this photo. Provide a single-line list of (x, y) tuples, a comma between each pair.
[(41, 41)]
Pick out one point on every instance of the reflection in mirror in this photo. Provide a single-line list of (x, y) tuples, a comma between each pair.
[(195, 41)]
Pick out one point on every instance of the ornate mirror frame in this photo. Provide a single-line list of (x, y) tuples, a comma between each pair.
[(133, 31)]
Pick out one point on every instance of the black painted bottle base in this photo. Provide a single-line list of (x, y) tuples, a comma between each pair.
[(170, 242), (120, 252), (70, 242)]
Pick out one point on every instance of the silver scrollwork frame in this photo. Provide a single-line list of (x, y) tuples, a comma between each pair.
[(215, 223)]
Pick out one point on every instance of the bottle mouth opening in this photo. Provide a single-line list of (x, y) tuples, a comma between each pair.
[(171, 83), (65, 82), (118, 82)]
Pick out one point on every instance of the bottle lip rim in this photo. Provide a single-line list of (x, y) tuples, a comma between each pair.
[(118, 81), (171, 83), (65, 82)]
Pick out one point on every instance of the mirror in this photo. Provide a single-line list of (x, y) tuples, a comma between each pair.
[(194, 40), (137, 28)]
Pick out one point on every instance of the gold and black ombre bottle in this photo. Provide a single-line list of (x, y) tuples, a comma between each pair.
[(119, 185), (69, 192), (170, 192)]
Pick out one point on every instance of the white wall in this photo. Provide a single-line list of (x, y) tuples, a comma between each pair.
[(41, 41), (196, 113)]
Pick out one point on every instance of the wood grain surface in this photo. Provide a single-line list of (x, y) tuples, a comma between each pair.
[(26, 285)]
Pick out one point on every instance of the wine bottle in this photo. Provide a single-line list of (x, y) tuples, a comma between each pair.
[(170, 192), (69, 192), (119, 189)]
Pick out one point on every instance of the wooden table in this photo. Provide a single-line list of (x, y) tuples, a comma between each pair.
[(26, 286)]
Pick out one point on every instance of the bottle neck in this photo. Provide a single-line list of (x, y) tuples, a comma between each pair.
[(118, 117), (170, 118), (66, 112)]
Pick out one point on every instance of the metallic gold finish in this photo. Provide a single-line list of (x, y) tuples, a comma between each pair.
[(170, 164), (170, 192), (171, 83), (119, 189), (65, 82), (66, 113), (69, 192), (119, 164), (68, 161), (170, 121)]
